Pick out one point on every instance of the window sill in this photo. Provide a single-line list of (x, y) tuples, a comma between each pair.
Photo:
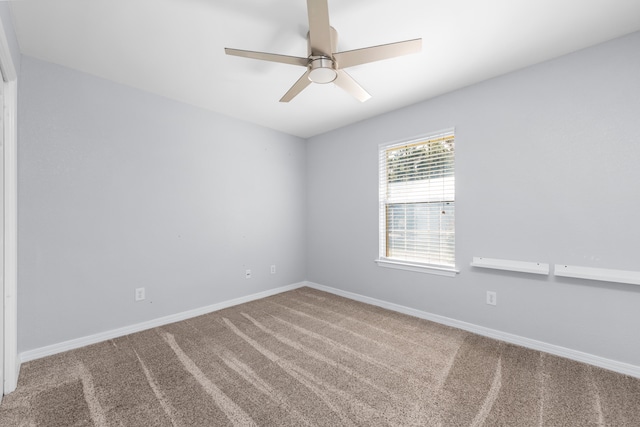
[(417, 267)]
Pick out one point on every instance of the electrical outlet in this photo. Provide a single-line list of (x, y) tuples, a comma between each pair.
[(247, 274), (273, 269), (139, 294), (492, 298)]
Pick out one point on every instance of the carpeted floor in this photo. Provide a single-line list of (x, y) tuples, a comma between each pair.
[(310, 358)]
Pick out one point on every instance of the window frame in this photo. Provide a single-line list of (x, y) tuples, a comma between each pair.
[(397, 263)]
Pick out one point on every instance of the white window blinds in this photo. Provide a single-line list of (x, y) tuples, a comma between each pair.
[(417, 201)]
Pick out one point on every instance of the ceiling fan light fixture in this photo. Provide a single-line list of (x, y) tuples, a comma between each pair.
[(322, 71)]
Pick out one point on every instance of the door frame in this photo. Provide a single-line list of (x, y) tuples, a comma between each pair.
[(9, 81)]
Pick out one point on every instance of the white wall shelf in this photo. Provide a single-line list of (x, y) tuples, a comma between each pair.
[(602, 274), (509, 265)]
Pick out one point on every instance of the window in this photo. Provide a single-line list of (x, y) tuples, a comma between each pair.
[(417, 204)]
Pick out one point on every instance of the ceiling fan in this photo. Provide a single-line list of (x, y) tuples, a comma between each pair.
[(323, 63)]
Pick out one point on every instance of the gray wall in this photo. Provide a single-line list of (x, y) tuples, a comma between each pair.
[(120, 189), (548, 169)]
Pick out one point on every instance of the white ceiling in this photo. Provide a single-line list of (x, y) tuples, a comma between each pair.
[(175, 48)]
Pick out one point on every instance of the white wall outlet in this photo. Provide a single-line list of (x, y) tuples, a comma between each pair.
[(139, 294), (492, 298), (247, 274), (273, 269)]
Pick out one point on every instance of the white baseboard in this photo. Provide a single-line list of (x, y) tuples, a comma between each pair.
[(612, 365), (115, 333)]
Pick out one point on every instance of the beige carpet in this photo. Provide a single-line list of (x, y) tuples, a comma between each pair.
[(306, 358)]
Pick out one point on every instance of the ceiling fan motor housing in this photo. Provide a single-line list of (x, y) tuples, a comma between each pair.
[(322, 70)]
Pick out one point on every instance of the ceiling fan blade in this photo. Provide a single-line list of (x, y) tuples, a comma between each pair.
[(293, 60), (346, 82), (298, 86), (377, 53), (319, 28)]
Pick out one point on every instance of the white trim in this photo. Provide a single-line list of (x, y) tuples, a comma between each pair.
[(509, 265), (9, 77), (603, 274), (11, 363), (417, 138), (579, 356), (413, 192), (419, 268), (613, 365), (115, 333)]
